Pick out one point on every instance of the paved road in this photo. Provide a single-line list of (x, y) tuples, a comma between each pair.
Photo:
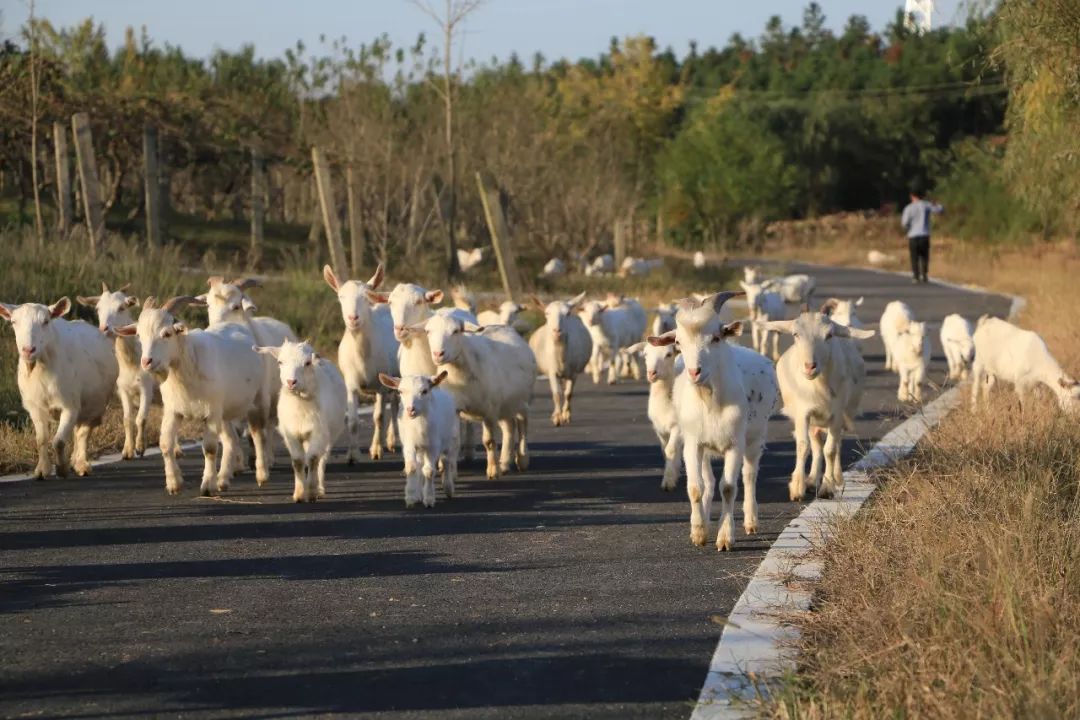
[(570, 591)]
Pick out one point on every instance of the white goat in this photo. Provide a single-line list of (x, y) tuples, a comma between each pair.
[(507, 314), (792, 288), (429, 435), (661, 366), (212, 376), (367, 348), (878, 258), (134, 386), (764, 305), (1006, 352), (468, 259), (822, 378), (410, 307), (723, 401), (601, 265), (843, 312), (66, 369), (907, 349), (228, 302), (553, 268), (562, 347), (491, 377), (463, 299), (665, 319), (639, 267), (614, 326), (894, 321), (310, 411), (699, 260), (958, 345)]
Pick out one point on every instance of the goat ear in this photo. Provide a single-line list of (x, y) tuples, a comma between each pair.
[(576, 301), (124, 288), (104, 287), (180, 328), (377, 297), (438, 378), (126, 330), (60, 307), (389, 381), (377, 278), (248, 304), (433, 297), (266, 350), (87, 301), (330, 278), (6, 310), (132, 301), (667, 338), (214, 280), (732, 329), (471, 327), (636, 347), (859, 301), (829, 306)]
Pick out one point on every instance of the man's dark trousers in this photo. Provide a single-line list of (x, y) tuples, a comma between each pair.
[(919, 247)]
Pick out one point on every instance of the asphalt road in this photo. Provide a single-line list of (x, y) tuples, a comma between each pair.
[(569, 591)]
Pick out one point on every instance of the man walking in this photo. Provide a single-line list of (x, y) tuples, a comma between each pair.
[(916, 222)]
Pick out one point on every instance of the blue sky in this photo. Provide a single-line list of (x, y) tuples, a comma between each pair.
[(557, 28)]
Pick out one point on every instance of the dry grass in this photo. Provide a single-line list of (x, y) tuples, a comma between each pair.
[(955, 593)]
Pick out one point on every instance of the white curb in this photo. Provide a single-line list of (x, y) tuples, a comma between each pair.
[(755, 646)]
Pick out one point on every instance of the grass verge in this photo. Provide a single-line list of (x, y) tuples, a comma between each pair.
[(954, 592)]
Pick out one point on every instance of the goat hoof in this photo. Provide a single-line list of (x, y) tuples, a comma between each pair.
[(697, 535), (750, 529), (724, 546), (82, 469)]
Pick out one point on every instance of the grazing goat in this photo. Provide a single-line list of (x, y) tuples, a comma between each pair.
[(562, 347), (429, 435), (661, 366), (959, 346), (723, 401), (822, 377), (368, 347), (764, 305), (212, 376), (310, 411), (614, 326), (1006, 352), (601, 265), (842, 312), (134, 386), (490, 375), (66, 369)]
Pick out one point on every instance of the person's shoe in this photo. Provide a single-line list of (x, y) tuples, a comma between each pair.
[(915, 281)]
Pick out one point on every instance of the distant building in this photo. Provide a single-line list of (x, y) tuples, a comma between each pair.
[(918, 15)]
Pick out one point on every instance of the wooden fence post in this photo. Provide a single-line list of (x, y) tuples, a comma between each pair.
[(258, 204), (619, 231), (356, 233), (500, 234), (329, 213), (88, 180), (152, 185), (63, 179)]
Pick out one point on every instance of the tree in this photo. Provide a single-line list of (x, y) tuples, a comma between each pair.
[(449, 22)]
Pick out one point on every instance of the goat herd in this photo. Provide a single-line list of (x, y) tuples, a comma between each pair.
[(434, 373)]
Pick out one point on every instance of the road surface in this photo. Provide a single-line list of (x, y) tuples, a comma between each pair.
[(569, 591)]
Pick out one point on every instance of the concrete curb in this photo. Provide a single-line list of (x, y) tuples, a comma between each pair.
[(756, 646)]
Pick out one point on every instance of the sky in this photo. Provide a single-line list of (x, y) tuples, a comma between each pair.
[(557, 28)]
